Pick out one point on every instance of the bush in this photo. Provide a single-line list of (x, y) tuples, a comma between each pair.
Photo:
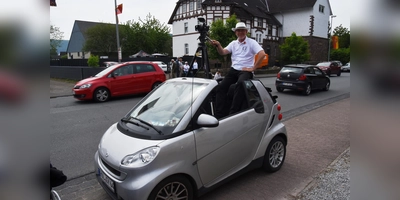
[(93, 61), (341, 54), (64, 56)]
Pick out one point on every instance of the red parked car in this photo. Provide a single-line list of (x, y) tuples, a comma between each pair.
[(332, 67), (122, 79)]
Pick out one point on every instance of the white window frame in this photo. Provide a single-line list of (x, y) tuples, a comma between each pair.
[(198, 4), (186, 49), (191, 6), (184, 8), (186, 27)]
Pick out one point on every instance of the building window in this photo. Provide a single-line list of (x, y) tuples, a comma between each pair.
[(184, 8), (269, 30), (186, 49), (79, 54), (217, 18), (186, 27), (191, 6), (321, 8), (198, 4), (217, 1)]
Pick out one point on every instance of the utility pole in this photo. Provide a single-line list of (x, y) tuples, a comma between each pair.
[(330, 37), (116, 26)]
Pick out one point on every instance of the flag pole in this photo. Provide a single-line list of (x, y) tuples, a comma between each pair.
[(116, 26)]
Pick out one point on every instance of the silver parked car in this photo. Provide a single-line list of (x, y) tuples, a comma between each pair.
[(170, 145)]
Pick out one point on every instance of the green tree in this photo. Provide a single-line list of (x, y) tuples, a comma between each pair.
[(102, 38), (148, 35), (343, 35), (55, 39), (224, 34), (341, 54), (295, 49), (93, 61)]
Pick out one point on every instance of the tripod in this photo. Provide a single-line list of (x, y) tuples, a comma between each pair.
[(202, 48)]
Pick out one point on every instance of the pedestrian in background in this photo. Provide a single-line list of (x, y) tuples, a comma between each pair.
[(173, 68), (186, 69), (195, 68)]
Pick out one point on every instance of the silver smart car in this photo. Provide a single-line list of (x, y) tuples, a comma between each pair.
[(170, 145)]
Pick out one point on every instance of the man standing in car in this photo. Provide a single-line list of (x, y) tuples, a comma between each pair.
[(243, 51)]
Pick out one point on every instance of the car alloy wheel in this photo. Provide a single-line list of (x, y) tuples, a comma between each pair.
[(307, 91), (173, 188), (101, 94), (275, 155)]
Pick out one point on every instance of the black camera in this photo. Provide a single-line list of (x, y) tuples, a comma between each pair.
[(202, 26)]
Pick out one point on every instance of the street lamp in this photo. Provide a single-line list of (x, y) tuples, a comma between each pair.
[(330, 37)]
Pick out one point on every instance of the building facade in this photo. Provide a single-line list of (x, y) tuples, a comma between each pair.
[(269, 21)]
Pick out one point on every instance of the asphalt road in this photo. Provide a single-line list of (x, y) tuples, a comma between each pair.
[(78, 126)]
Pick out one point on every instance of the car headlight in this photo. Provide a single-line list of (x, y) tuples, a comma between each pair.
[(85, 86), (140, 158)]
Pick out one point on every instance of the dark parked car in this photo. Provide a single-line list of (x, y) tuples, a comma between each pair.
[(302, 77), (122, 79), (332, 67)]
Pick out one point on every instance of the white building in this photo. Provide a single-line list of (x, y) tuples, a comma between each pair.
[(269, 21)]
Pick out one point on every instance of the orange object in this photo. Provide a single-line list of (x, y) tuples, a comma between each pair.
[(335, 42), (264, 62)]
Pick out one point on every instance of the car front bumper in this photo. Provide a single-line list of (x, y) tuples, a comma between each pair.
[(82, 94)]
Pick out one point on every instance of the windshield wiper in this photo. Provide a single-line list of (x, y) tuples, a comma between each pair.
[(144, 122), (135, 123)]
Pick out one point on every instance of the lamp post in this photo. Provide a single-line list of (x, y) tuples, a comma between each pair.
[(330, 37)]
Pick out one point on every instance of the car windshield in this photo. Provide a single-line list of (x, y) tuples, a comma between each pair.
[(324, 64), (296, 70), (166, 106), (106, 71)]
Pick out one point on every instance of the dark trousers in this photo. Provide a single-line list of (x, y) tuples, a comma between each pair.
[(233, 76)]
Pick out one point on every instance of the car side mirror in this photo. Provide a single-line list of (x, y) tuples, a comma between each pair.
[(205, 120)]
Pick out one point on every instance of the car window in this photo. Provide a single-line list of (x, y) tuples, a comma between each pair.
[(291, 70), (253, 97), (309, 70), (317, 71), (143, 68), (123, 71)]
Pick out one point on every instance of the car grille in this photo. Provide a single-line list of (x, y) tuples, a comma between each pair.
[(111, 169)]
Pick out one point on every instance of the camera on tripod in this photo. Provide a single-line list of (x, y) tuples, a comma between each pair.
[(202, 26)]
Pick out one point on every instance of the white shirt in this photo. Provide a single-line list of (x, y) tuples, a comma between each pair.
[(186, 67), (195, 65), (243, 52), (217, 76)]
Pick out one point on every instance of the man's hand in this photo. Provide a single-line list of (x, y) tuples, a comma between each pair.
[(215, 43), (248, 69)]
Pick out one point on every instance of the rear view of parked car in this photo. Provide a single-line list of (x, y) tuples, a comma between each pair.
[(301, 77), (330, 68), (346, 67), (122, 79), (162, 65), (171, 145)]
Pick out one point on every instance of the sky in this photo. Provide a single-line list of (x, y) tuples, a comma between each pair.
[(66, 12)]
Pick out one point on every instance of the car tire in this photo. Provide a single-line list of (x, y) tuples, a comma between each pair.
[(307, 91), (275, 155), (279, 89), (174, 187), (327, 85), (155, 85), (101, 94)]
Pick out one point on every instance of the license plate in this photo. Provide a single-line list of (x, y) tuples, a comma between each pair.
[(287, 84), (107, 181)]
